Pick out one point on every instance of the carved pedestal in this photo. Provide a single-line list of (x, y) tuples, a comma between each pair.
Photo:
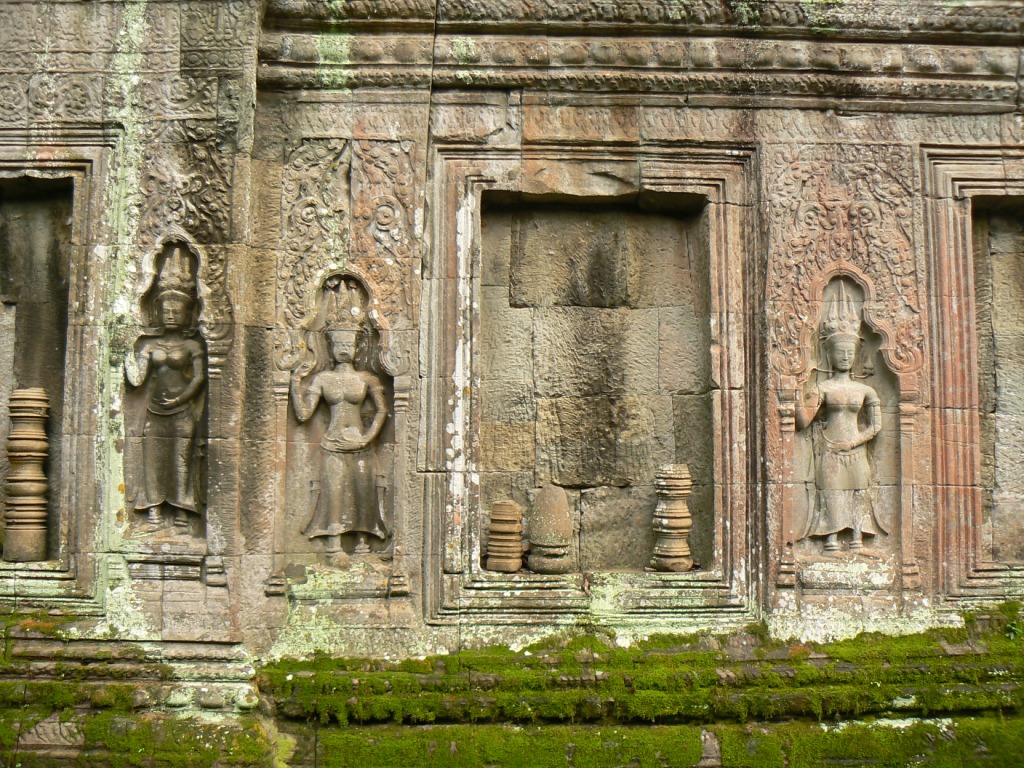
[(505, 538), (672, 520), (27, 448)]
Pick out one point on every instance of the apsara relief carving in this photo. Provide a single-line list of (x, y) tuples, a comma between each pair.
[(348, 500), (844, 417), (341, 367), (168, 369)]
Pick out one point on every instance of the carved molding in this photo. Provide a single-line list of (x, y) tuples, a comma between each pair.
[(920, 17), (953, 177), (842, 209), (960, 92), (759, 14)]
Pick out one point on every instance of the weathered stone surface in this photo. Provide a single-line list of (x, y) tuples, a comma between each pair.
[(615, 528), (581, 352), (582, 239), (591, 441)]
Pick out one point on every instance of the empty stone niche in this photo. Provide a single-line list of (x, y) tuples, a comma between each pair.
[(35, 244), (594, 355), (999, 306)]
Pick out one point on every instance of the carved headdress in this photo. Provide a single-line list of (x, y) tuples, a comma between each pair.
[(841, 321), (176, 280)]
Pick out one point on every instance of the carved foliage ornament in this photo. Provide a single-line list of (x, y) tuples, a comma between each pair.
[(315, 203), (842, 209), (186, 188), (186, 182), (382, 206), (324, 180)]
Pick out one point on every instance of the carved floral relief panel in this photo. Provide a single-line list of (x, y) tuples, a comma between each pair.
[(842, 207)]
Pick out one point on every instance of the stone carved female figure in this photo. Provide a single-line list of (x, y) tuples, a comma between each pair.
[(170, 362), (348, 500), (845, 416)]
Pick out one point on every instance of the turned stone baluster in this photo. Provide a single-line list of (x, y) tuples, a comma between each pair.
[(505, 537), (672, 521), (27, 448)]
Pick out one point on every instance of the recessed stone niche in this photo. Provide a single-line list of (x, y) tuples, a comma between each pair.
[(35, 242), (873, 566), (999, 306), (595, 361)]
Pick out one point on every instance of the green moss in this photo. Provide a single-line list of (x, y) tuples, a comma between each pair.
[(508, 747), (157, 740), (668, 679), (963, 742)]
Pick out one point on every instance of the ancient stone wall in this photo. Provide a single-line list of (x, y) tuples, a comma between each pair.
[(717, 303)]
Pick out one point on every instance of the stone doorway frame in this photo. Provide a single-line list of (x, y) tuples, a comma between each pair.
[(456, 588)]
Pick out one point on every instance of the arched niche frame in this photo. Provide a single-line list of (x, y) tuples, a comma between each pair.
[(215, 312), (295, 349), (903, 365), (214, 323)]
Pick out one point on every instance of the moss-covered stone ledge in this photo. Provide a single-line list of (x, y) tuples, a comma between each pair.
[(947, 697), (702, 679)]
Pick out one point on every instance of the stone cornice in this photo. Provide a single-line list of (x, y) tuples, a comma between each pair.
[(963, 22), (807, 72)]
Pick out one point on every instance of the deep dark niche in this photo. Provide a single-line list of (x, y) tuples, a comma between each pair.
[(594, 352), (35, 243)]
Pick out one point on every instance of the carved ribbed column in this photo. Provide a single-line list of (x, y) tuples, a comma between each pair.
[(505, 537), (672, 521), (27, 448)]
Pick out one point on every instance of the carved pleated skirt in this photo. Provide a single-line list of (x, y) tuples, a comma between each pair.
[(168, 461), (844, 498), (347, 502)]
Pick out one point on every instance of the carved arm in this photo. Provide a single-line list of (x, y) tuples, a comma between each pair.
[(194, 385), (136, 365), (305, 403), (874, 421), (381, 413), (807, 411)]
